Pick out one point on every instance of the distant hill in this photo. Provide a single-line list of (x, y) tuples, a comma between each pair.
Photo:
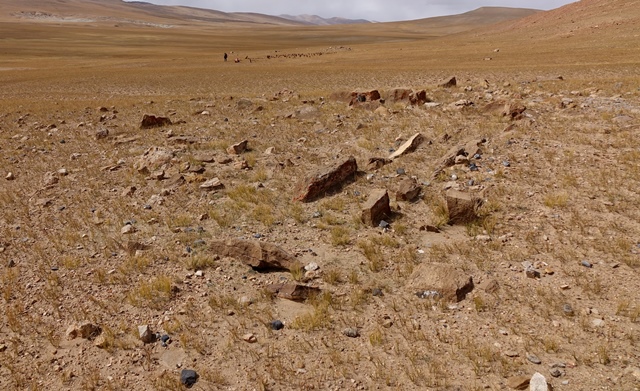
[(586, 17), (320, 21), (484, 16)]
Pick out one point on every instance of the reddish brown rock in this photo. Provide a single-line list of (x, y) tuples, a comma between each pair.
[(377, 162), (450, 82), (295, 292), (443, 280), (376, 208), (514, 111), (407, 95), (151, 121), (462, 207), (518, 382), (409, 146), (324, 181), (259, 255), (238, 148), (408, 190), (467, 150)]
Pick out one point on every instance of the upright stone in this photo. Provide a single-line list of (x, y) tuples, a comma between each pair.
[(538, 383), (462, 207), (376, 208)]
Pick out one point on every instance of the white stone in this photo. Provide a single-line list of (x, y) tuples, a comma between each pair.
[(538, 383)]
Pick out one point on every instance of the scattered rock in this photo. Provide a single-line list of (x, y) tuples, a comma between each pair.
[(567, 309), (151, 121), (469, 149), (451, 82), (514, 111), (324, 181), (50, 179), (212, 184), (188, 377), (152, 159), (533, 358), (408, 190), (518, 382), (538, 383), (556, 372), (101, 134), (376, 208), (86, 330), (238, 148), (586, 264), (462, 207), (295, 292), (451, 283), (409, 146), (145, 334), (260, 256), (128, 229), (276, 325), (377, 163), (10, 177), (351, 332), (249, 338)]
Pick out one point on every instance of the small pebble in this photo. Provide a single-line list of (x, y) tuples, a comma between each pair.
[(400, 171), (377, 292), (534, 359), (506, 164), (586, 264), (276, 325), (351, 332), (383, 224), (567, 309)]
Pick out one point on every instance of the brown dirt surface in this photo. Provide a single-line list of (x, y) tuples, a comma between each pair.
[(105, 227)]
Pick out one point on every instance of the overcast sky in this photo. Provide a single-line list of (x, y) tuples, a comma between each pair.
[(374, 10)]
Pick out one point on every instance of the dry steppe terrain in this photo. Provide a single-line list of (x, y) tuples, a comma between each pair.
[(106, 226)]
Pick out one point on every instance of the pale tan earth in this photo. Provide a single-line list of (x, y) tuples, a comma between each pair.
[(558, 185)]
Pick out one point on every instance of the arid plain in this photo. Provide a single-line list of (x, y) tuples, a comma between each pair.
[(132, 250)]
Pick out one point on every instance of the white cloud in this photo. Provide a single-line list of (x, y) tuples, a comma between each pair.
[(378, 10)]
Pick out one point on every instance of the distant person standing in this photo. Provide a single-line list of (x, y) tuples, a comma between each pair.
[(225, 57)]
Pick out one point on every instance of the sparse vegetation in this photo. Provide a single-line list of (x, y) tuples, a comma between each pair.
[(88, 235)]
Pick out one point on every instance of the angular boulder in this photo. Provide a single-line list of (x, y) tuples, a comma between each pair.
[(151, 121), (462, 207), (446, 281), (376, 208), (450, 82), (409, 146), (408, 190), (538, 383), (238, 148), (322, 182), (259, 255)]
